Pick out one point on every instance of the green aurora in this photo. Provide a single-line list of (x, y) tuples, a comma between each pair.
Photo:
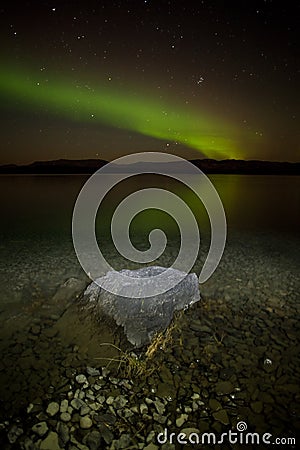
[(121, 109)]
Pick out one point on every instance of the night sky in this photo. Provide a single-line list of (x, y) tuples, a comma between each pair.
[(101, 79)]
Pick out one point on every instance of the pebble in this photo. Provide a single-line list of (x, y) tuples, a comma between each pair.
[(85, 422), (224, 387), (143, 408), (35, 329), (160, 407), (189, 431), (64, 404), (92, 371), (40, 428), (257, 407), (52, 409), (65, 417), (81, 379), (180, 421), (214, 404), (110, 400), (123, 442), (63, 431), (77, 403), (51, 442), (159, 418), (14, 433), (151, 446), (93, 440), (221, 416), (84, 410)]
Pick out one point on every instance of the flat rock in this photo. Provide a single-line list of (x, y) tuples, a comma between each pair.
[(93, 440), (142, 318), (51, 442), (214, 404), (224, 387), (221, 416)]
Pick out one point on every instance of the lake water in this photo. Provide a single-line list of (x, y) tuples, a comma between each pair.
[(36, 248), (244, 332)]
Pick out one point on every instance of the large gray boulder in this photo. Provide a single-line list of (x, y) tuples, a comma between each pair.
[(142, 318)]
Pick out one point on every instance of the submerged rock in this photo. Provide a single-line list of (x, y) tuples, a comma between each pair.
[(142, 318)]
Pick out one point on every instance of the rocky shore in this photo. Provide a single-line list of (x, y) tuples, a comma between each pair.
[(232, 357)]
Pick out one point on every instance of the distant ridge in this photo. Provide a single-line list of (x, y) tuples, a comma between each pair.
[(89, 166)]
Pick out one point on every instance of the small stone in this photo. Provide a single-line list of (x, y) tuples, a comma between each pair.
[(221, 416), (84, 410), (92, 440), (106, 433), (81, 379), (105, 372), (14, 433), (52, 409), (224, 387), (63, 431), (123, 442), (30, 408), (110, 400), (90, 396), (64, 404), (120, 401), (143, 408), (95, 406), (160, 407), (159, 418), (79, 394), (180, 421), (92, 371), (151, 436), (189, 431), (164, 390), (151, 446), (50, 332), (214, 404), (35, 330), (168, 446), (51, 442), (65, 417), (28, 444), (40, 428), (257, 407), (76, 403), (85, 422), (188, 409), (100, 399)]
